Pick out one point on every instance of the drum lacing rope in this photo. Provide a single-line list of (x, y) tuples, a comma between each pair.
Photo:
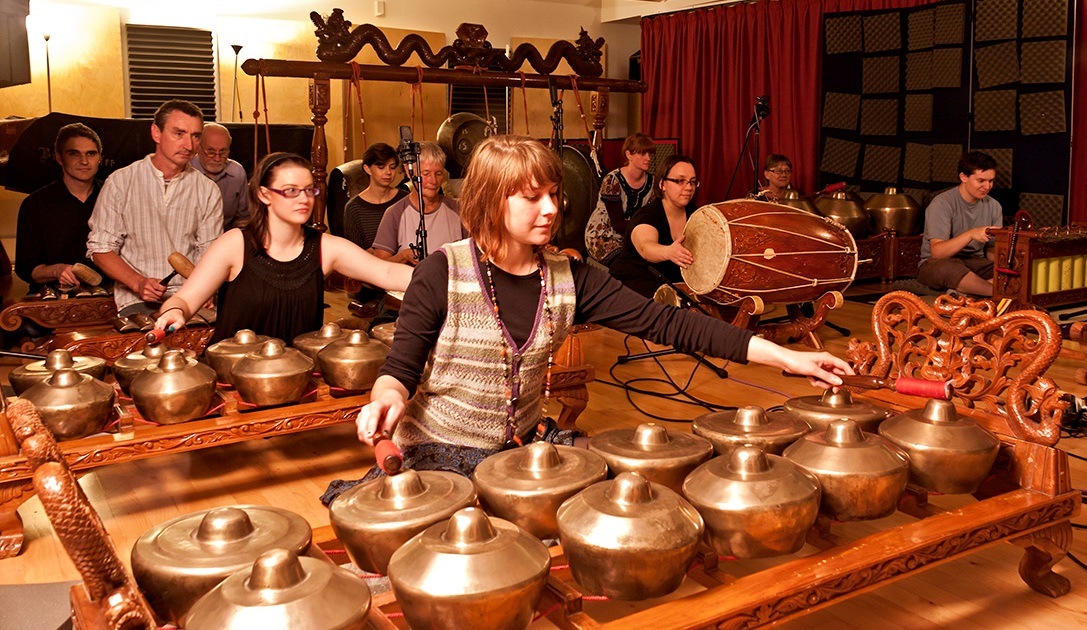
[(356, 84), (524, 102), (584, 121), (417, 87)]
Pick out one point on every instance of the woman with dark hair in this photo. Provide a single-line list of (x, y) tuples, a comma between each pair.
[(270, 274), (362, 215), (489, 312), (654, 237)]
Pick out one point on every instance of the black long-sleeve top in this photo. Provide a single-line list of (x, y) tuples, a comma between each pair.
[(52, 228), (601, 299)]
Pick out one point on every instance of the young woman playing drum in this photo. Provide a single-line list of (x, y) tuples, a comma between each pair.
[(491, 310), (654, 236), (272, 271)]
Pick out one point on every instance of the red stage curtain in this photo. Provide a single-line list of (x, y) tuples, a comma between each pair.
[(706, 67)]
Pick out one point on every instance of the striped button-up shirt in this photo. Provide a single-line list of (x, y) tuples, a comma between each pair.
[(144, 218)]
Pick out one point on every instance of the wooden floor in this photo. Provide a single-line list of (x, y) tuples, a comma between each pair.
[(980, 591)]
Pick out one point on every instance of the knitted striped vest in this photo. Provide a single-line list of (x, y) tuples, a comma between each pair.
[(462, 396)]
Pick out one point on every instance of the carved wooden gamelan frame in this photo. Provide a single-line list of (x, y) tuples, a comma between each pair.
[(997, 366), (470, 54)]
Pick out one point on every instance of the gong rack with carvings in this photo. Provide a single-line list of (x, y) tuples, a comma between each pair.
[(469, 54), (996, 365)]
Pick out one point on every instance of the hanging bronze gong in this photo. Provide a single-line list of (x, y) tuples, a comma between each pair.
[(458, 136), (580, 187)]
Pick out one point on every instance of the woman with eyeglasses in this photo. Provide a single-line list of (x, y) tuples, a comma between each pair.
[(778, 174), (654, 236), (270, 275)]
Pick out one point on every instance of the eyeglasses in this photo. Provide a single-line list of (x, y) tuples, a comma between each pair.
[(291, 193), (682, 183), (220, 153), (780, 171)]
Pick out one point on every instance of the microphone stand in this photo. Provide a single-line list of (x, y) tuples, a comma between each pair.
[(761, 110), (687, 301), (409, 155)]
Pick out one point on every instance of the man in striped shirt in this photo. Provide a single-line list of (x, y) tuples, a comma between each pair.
[(153, 207)]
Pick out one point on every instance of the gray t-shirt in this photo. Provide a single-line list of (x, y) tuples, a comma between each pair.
[(948, 215), (401, 220)]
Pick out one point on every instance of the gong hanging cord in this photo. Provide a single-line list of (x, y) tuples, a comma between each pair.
[(585, 122), (356, 85), (524, 102), (260, 91), (417, 87)]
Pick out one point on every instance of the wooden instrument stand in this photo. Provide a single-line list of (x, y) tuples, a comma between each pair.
[(62, 314), (996, 366)]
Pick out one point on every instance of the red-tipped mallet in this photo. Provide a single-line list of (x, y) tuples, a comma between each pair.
[(940, 390), (388, 455)]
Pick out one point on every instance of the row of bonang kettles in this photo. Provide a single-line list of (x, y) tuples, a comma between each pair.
[(452, 564), (170, 386)]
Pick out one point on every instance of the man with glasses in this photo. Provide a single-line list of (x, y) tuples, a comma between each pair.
[(152, 208), (213, 160)]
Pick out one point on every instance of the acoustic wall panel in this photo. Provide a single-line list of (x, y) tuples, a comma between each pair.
[(1044, 61), (945, 162), (1041, 113), (918, 163), (840, 157), (919, 71), (1004, 165), (946, 67), (882, 31), (994, 110), (880, 75), (996, 20), (1045, 18), (997, 64), (843, 34), (881, 164), (949, 23), (921, 32), (1044, 209), (841, 111), (918, 115), (879, 117)]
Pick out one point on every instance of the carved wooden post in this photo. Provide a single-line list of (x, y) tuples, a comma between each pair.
[(599, 105), (320, 98)]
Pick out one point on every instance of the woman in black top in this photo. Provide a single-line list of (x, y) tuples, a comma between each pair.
[(654, 237), (272, 271)]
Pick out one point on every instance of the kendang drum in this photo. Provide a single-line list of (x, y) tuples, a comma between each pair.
[(769, 252)]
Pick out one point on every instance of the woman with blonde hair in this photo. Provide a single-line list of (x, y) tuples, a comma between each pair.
[(491, 310)]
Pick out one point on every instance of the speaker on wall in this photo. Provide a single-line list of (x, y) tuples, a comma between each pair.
[(14, 47)]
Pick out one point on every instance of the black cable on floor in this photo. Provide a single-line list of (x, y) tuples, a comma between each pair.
[(679, 393)]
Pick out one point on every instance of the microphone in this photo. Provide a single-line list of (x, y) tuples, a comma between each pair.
[(408, 148), (762, 108)]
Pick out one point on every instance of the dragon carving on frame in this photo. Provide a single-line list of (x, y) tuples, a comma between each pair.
[(337, 42)]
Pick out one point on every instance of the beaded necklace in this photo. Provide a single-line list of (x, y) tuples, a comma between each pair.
[(511, 358)]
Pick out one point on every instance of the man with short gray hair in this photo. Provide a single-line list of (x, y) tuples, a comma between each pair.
[(213, 160)]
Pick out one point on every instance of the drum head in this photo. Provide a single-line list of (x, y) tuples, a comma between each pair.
[(707, 237)]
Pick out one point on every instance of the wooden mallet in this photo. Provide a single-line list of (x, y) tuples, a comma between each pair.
[(182, 267)]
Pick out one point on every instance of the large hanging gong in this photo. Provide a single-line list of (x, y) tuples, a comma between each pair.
[(580, 187), (458, 135)]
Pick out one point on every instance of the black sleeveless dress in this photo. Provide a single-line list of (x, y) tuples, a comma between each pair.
[(274, 298)]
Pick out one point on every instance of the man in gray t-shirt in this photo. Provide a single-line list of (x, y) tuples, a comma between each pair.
[(954, 250)]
